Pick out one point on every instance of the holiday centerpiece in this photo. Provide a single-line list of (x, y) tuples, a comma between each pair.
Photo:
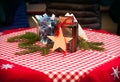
[(50, 36)]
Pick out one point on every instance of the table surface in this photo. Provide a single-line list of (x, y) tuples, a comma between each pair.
[(68, 68)]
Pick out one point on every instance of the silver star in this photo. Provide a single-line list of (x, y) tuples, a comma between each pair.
[(6, 66), (115, 72)]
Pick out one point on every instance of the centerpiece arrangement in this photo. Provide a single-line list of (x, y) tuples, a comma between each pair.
[(50, 36)]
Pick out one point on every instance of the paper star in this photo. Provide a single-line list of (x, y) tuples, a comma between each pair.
[(115, 72), (59, 41), (6, 66)]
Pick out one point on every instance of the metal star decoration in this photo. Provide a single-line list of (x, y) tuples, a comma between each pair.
[(115, 72), (6, 66), (59, 41)]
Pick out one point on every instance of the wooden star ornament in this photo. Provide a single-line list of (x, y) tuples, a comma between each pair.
[(60, 41)]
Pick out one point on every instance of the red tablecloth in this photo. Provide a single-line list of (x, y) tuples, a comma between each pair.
[(11, 72), (80, 66)]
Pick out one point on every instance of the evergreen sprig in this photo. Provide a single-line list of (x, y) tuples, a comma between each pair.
[(27, 42), (90, 45)]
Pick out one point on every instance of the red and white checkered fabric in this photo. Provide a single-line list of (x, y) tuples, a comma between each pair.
[(70, 68)]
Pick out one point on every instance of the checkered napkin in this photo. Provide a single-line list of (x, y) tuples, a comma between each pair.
[(70, 68)]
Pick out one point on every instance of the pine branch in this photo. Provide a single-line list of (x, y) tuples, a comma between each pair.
[(27, 42), (90, 45)]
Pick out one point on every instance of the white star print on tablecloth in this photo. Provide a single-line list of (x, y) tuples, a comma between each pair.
[(6, 66), (115, 72)]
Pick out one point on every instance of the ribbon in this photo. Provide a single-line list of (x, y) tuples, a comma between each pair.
[(62, 25)]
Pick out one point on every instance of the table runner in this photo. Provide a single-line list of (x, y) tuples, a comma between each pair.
[(73, 66)]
